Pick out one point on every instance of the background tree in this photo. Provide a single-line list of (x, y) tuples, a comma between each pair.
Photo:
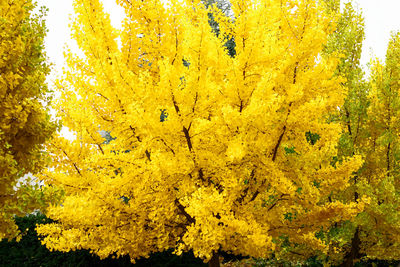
[(242, 162), (380, 174), (24, 122), (368, 117)]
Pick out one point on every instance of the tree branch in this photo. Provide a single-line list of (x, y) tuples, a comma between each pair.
[(187, 136), (182, 210), (275, 152)]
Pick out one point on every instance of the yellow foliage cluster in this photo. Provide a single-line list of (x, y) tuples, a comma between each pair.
[(24, 122)]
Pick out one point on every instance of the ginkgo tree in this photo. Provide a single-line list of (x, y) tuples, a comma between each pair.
[(209, 152), (379, 177), (370, 128), (25, 123), (369, 119)]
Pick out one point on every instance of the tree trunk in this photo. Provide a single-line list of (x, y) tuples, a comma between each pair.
[(214, 262), (354, 252)]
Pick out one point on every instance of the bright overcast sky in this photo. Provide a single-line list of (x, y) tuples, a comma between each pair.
[(381, 17)]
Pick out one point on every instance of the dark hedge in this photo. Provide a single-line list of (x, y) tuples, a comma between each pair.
[(29, 252)]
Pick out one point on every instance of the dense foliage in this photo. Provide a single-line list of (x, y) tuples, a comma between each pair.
[(24, 121)]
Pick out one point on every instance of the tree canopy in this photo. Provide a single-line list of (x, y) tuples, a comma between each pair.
[(211, 151)]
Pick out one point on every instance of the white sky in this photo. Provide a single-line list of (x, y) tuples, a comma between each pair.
[(381, 18)]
